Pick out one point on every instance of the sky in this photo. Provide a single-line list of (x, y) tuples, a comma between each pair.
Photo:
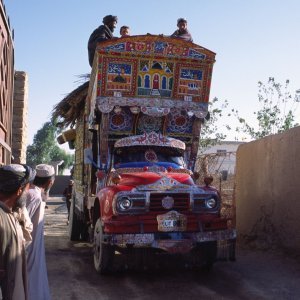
[(253, 40)]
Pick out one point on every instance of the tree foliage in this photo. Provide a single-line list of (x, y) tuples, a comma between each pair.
[(44, 149), (276, 113), (213, 131)]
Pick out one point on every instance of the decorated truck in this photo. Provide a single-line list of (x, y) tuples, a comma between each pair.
[(135, 127)]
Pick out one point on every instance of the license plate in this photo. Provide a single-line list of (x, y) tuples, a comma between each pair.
[(171, 221)]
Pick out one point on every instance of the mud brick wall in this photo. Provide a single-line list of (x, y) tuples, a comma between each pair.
[(20, 115), (268, 191)]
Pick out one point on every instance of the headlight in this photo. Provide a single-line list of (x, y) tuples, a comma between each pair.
[(130, 202), (211, 203), (124, 203)]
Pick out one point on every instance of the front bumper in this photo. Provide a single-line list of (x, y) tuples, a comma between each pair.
[(172, 242)]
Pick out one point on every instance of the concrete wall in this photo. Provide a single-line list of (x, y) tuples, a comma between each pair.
[(268, 191)]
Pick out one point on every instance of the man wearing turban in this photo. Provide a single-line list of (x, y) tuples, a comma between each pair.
[(14, 183), (102, 33)]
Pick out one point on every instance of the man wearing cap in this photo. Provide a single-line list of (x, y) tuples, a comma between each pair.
[(38, 287), (100, 34), (14, 183), (182, 31)]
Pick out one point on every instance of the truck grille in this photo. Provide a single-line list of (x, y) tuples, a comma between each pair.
[(181, 201)]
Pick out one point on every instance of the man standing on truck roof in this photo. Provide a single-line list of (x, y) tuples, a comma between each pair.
[(124, 31), (182, 31), (100, 34)]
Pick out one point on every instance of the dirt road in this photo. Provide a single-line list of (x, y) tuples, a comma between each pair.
[(255, 275)]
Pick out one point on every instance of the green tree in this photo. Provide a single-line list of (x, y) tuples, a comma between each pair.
[(276, 113), (213, 131), (44, 149)]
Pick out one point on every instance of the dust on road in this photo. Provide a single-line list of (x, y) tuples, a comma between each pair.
[(255, 274)]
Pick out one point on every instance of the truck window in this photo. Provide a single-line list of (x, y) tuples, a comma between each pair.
[(145, 156)]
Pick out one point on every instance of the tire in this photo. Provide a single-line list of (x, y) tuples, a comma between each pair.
[(209, 250), (74, 223), (206, 254), (232, 246), (103, 254), (96, 212), (96, 215)]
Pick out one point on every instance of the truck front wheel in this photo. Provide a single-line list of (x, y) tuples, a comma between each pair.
[(74, 223), (209, 250), (206, 253), (103, 253)]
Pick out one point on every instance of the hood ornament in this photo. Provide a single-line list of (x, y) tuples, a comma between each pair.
[(167, 202)]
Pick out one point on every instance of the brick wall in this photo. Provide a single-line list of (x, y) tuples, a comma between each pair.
[(6, 86), (20, 117)]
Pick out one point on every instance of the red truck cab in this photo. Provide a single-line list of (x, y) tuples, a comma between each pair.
[(150, 200)]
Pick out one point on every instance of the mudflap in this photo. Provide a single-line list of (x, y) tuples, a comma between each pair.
[(226, 250)]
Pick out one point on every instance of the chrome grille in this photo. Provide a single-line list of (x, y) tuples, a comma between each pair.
[(199, 201), (138, 201), (181, 201)]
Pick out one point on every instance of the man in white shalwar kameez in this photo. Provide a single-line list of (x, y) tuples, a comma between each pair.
[(14, 184), (38, 287)]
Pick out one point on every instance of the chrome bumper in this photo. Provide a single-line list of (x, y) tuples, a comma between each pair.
[(175, 242)]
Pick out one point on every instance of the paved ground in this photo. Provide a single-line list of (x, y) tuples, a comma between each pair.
[(255, 275)]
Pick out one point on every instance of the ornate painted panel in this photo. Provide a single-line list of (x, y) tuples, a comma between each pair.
[(154, 67), (179, 123), (152, 84), (119, 75), (155, 78), (121, 121)]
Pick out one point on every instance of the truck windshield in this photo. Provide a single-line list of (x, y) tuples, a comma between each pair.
[(148, 156)]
